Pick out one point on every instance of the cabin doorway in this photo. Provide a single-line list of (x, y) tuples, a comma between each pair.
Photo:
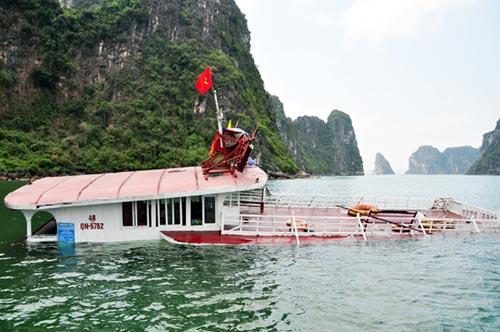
[(43, 223)]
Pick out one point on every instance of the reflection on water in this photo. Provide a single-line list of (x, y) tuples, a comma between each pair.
[(433, 283)]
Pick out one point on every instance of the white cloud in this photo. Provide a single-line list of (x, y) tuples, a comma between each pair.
[(377, 20)]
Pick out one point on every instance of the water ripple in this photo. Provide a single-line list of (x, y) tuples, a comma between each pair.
[(426, 284)]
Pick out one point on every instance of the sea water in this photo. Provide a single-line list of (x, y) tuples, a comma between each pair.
[(433, 283)]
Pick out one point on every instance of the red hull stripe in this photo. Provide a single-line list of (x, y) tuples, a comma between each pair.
[(215, 237)]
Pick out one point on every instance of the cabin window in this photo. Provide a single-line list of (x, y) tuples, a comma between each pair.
[(177, 211), (162, 215), (183, 210), (150, 216), (196, 211), (155, 209), (209, 209), (202, 210), (142, 213), (170, 212), (127, 214)]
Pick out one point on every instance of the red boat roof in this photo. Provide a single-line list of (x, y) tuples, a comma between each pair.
[(129, 186)]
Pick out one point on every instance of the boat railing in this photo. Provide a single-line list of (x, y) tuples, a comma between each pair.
[(462, 225), (327, 201), (343, 226), (276, 225), (255, 213), (467, 210), (291, 201)]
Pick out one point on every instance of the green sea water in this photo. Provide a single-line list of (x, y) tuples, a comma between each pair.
[(437, 283)]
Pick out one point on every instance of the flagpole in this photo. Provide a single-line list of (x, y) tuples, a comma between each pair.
[(219, 113), (219, 117)]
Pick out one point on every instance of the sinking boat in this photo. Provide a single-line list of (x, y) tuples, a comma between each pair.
[(225, 201)]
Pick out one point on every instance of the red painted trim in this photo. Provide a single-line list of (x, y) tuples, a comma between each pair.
[(52, 187), (159, 181), (88, 184), (123, 183), (216, 238)]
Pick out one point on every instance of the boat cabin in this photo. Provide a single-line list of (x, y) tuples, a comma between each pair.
[(134, 205)]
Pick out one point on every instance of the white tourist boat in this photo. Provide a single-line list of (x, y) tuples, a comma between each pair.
[(182, 206), (225, 201)]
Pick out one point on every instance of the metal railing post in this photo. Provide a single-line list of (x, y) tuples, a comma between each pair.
[(295, 227), (361, 226), (419, 221), (222, 221), (475, 225)]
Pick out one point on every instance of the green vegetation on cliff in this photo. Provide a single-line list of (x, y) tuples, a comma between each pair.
[(108, 85), (320, 147), (489, 163)]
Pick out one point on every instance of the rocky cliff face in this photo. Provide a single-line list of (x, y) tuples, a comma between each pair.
[(320, 147), (429, 160), (94, 85), (489, 162), (460, 159), (426, 160), (382, 166)]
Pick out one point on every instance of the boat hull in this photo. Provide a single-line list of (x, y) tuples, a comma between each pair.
[(216, 238)]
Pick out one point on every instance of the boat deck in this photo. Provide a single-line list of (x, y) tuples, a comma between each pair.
[(327, 222), (287, 225), (341, 212)]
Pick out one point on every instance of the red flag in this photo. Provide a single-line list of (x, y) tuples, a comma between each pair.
[(204, 82)]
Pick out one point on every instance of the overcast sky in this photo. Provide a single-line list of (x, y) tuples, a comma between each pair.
[(408, 72)]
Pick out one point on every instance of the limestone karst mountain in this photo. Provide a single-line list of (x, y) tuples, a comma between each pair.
[(320, 147), (382, 166), (93, 85), (429, 160)]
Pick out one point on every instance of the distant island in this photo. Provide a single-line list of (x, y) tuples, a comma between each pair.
[(382, 166), (429, 160), (459, 160)]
